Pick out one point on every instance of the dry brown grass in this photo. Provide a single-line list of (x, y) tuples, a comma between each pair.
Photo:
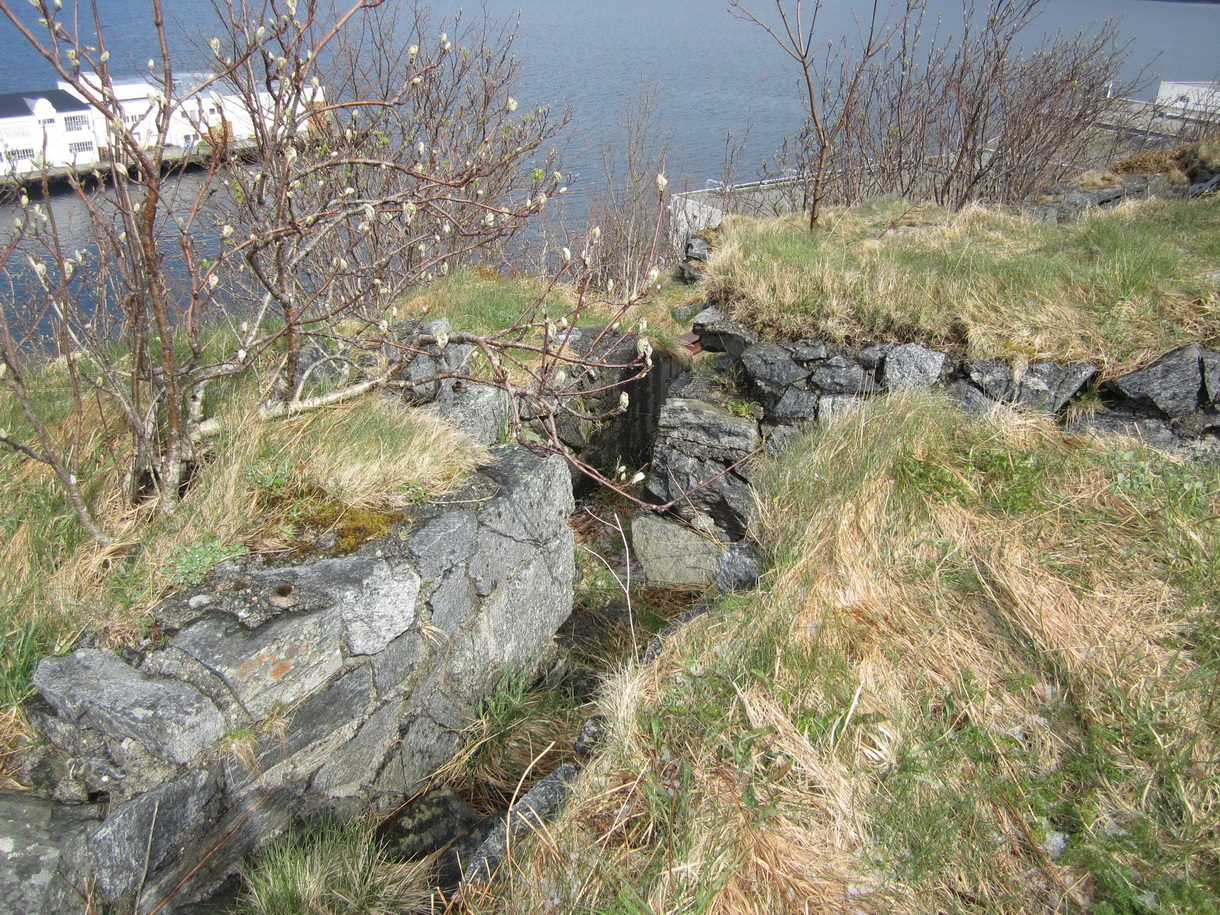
[(255, 479), (1116, 288), (973, 637)]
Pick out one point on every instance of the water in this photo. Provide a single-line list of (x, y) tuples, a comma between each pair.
[(714, 75)]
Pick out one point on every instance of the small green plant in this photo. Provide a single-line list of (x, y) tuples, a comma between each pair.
[(188, 565), (744, 409)]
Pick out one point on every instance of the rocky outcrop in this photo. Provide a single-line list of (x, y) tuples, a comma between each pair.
[(1068, 201), (331, 683), (703, 433)]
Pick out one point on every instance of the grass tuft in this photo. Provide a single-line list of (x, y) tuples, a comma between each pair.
[(980, 676), (1117, 287)]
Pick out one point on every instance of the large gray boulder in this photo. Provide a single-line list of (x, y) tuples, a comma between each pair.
[(1168, 387), (840, 374), (95, 689), (771, 370), (911, 367), (719, 334), (33, 832), (1046, 387), (698, 442), (333, 683)]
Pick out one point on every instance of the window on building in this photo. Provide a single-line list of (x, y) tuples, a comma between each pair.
[(25, 152), (75, 122), (46, 122), (83, 146), (188, 139)]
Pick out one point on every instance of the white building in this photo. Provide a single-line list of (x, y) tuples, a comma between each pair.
[(57, 129), (51, 126), (1200, 99)]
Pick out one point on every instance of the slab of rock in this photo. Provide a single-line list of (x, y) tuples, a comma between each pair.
[(842, 375), (1046, 387), (478, 411), (174, 721), (1170, 386), (1211, 375), (719, 334), (994, 378), (832, 406), (698, 441), (796, 406), (376, 598), (536, 808), (151, 827), (533, 498), (771, 369), (354, 764), (872, 357), (672, 554), (912, 367), (739, 567), (438, 545), (969, 399), (277, 664), (33, 833), (426, 824)]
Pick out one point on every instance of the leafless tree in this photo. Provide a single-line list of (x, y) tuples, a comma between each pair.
[(370, 164), (829, 103), (950, 113), (972, 114), (623, 204)]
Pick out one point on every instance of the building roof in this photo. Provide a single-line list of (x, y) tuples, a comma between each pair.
[(21, 104)]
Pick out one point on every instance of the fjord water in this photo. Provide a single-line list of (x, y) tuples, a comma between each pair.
[(713, 74)]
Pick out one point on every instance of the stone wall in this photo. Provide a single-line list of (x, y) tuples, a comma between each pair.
[(1173, 403), (282, 690)]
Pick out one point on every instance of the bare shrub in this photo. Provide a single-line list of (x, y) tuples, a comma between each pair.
[(624, 205), (943, 112)]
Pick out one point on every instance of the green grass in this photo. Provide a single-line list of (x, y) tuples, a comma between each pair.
[(334, 869), (283, 486), (980, 675), (475, 300), (1116, 287)]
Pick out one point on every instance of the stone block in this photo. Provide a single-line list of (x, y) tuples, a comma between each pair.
[(719, 334), (451, 601), (173, 720), (698, 441), (969, 399), (771, 369), (376, 598), (1211, 375), (32, 833), (151, 827), (442, 543), (277, 664), (994, 378), (536, 808), (673, 555), (912, 367), (796, 406), (832, 406), (534, 498), (352, 767), (401, 658), (1047, 386), (841, 375), (739, 566), (1170, 386)]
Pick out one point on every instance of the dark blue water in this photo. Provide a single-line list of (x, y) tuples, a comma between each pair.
[(713, 74)]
